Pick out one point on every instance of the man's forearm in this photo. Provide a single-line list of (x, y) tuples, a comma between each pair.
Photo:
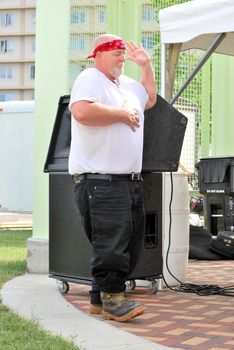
[(148, 80), (94, 113), (98, 114)]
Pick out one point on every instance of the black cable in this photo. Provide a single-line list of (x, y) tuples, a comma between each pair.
[(202, 290)]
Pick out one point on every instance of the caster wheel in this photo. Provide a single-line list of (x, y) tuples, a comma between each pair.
[(130, 285), (153, 286), (63, 286)]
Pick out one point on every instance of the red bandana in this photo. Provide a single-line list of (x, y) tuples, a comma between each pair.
[(109, 46)]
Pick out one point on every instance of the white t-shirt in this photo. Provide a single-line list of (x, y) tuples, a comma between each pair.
[(109, 149)]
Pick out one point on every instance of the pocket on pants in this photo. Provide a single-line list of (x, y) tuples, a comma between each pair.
[(99, 189)]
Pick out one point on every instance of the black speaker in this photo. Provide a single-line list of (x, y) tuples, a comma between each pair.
[(69, 248), (164, 131), (59, 147)]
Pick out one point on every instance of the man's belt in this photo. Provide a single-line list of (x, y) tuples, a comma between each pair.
[(108, 177)]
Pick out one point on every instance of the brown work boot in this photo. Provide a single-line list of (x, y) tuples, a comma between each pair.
[(116, 307), (95, 306), (95, 309)]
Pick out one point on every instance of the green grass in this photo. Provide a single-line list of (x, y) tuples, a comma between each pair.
[(12, 254), (15, 332)]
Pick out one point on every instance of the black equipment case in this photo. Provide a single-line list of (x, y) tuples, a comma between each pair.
[(216, 184)]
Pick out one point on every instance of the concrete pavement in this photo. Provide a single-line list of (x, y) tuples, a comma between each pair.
[(11, 220), (37, 297)]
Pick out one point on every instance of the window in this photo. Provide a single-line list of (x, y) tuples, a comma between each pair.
[(77, 43), (147, 14), (33, 44), (78, 17), (6, 19), (6, 45), (32, 72), (82, 67), (34, 17), (5, 96), (102, 16), (3, 46), (9, 45), (75, 69), (147, 41), (5, 72)]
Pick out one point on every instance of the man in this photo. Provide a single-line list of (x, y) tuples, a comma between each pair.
[(105, 161)]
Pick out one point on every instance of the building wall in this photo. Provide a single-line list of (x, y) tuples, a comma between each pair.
[(16, 138)]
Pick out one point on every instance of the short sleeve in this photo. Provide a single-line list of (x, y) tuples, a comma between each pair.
[(84, 88)]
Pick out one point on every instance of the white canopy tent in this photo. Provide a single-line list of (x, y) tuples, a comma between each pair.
[(199, 24)]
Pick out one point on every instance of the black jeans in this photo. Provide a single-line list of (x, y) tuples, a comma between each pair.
[(113, 216)]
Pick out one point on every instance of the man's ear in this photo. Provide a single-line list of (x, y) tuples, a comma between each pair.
[(98, 54)]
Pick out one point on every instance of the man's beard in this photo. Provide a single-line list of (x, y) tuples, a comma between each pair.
[(116, 72)]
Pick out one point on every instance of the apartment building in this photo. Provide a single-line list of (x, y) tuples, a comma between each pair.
[(17, 40), (17, 49)]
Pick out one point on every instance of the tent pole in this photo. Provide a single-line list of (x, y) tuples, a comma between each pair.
[(172, 61), (202, 61), (163, 71)]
